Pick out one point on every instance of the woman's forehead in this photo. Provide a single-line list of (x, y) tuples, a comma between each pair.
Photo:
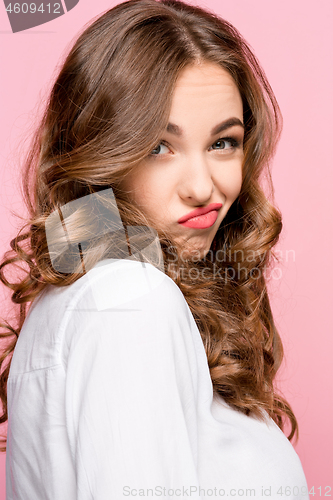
[(208, 91)]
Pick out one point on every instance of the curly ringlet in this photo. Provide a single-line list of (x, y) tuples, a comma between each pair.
[(107, 110)]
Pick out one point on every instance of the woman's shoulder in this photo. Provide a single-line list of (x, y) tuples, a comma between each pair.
[(114, 283), (124, 302), (114, 295), (110, 284), (122, 286)]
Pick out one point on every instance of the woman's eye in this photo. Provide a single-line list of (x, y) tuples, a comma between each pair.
[(226, 143), (158, 149)]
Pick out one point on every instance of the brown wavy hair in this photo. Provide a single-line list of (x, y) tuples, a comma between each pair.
[(107, 110)]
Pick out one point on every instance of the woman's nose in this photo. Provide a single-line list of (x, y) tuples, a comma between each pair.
[(196, 180)]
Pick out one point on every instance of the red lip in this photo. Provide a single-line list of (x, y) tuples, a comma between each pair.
[(200, 211)]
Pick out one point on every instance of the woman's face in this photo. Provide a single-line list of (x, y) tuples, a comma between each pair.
[(197, 164)]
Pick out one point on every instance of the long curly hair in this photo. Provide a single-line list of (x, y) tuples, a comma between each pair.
[(107, 110)]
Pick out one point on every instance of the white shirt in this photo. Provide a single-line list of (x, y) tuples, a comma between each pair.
[(110, 396)]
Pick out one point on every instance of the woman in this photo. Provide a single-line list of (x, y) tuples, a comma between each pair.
[(145, 364)]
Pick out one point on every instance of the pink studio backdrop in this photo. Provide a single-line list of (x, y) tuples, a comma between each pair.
[(293, 41)]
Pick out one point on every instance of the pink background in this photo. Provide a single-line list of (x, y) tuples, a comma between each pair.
[(293, 41)]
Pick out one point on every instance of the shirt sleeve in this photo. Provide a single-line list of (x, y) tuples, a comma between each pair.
[(131, 386)]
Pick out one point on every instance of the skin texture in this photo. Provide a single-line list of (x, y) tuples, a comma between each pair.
[(184, 173)]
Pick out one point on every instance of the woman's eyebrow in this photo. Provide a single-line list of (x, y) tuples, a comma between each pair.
[(230, 122)]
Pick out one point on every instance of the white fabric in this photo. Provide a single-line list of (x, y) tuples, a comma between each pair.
[(110, 396)]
